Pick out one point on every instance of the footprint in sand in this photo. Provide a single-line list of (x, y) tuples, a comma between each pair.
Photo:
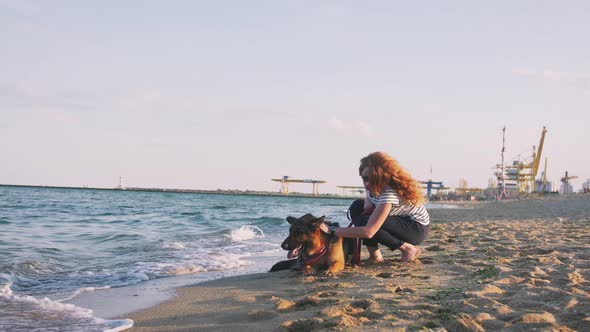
[(352, 314), (283, 305), (401, 290), (511, 280), (550, 260), (426, 260), (538, 282), (420, 277), (370, 308), (575, 278), (532, 318), (314, 301), (304, 324), (436, 248), (328, 294), (538, 272), (386, 275), (258, 315)]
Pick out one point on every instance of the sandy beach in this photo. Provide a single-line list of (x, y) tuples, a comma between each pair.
[(512, 265)]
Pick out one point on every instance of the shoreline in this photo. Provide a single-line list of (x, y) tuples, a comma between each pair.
[(478, 271), (192, 191), (465, 203)]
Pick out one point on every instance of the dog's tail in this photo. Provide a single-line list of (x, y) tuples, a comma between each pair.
[(283, 265)]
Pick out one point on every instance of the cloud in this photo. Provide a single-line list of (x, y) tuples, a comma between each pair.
[(571, 79), (38, 96), (366, 129), (351, 127), (20, 6), (337, 124)]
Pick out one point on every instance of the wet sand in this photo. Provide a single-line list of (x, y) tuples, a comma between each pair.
[(514, 265)]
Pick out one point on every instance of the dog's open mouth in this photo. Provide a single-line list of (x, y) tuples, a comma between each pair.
[(293, 253)]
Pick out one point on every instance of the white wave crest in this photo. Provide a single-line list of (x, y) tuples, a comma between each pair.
[(173, 245), (187, 269), (245, 232), (82, 290), (114, 325), (47, 305), (5, 291)]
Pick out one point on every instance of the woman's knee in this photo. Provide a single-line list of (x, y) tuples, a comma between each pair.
[(419, 236), (356, 208)]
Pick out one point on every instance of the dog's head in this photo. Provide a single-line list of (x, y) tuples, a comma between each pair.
[(302, 230)]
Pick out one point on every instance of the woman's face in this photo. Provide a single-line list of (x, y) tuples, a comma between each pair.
[(366, 176)]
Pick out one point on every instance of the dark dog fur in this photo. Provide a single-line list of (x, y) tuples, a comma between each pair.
[(305, 232)]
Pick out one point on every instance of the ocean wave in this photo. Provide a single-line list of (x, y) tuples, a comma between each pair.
[(41, 313), (88, 240), (173, 245), (195, 213), (118, 237), (49, 250), (258, 221), (30, 267), (246, 232), (182, 270), (82, 290)]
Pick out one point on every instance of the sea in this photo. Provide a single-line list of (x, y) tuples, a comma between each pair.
[(80, 259)]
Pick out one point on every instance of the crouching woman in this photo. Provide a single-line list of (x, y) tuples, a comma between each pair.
[(398, 219)]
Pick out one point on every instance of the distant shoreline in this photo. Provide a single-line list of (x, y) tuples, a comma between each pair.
[(193, 191)]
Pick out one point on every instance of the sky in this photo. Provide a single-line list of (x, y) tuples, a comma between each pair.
[(229, 94)]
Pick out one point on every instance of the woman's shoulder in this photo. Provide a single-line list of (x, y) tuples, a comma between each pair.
[(388, 191), (388, 195)]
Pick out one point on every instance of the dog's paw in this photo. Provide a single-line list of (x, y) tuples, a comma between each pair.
[(307, 271), (331, 273)]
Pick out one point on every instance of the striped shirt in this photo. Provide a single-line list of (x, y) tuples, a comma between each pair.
[(416, 212)]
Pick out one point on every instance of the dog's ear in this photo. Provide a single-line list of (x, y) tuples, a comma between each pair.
[(290, 219), (319, 221), (308, 218)]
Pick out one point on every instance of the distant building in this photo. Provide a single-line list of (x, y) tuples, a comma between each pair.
[(586, 186), (566, 188)]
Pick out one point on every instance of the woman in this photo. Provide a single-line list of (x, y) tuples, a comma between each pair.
[(399, 220)]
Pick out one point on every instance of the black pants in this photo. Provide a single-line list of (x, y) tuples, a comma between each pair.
[(394, 231)]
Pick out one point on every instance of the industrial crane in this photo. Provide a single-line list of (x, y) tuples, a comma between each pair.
[(429, 185), (566, 182), (542, 181), (353, 189), (525, 173), (286, 180)]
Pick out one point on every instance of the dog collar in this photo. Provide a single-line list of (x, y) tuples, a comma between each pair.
[(305, 260)]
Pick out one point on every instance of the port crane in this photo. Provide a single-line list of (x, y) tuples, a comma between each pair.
[(430, 185), (464, 191), (525, 173), (352, 189), (542, 181), (285, 180), (566, 181)]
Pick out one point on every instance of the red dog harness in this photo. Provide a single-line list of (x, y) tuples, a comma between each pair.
[(304, 260)]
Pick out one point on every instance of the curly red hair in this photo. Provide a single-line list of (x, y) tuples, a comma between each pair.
[(384, 170)]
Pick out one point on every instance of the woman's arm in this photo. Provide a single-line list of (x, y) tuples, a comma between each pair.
[(366, 232), (368, 202)]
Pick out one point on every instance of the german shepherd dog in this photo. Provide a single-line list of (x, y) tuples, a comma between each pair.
[(311, 249)]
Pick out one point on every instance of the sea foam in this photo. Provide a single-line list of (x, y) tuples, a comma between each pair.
[(246, 232), (69, 311)]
